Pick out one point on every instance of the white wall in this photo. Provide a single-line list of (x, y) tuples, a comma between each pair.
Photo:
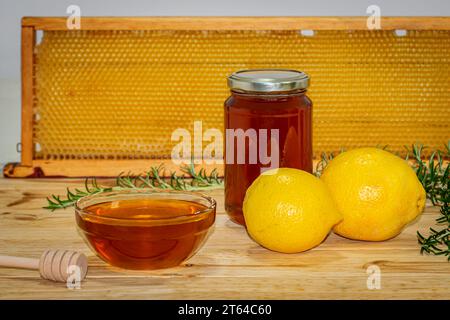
[(12, 10)]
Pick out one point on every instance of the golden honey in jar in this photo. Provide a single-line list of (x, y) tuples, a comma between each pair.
[(268, 124)]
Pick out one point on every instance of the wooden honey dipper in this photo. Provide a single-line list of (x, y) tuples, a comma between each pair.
[(52, 265)]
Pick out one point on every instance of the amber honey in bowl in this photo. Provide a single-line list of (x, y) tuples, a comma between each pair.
[(145, 229)]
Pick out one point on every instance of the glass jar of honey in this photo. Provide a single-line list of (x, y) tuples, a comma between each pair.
[(267, 125)]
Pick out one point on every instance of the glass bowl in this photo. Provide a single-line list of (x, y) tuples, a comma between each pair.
[(145, 229)]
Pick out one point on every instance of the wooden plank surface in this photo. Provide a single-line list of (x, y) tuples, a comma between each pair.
[(238, 23), (230, 265)]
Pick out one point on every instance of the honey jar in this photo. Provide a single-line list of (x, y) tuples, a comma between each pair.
[(267, 125)]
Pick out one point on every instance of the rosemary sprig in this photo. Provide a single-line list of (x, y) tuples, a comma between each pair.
[(435, 179), (191, 181), (152, 179), (201, 179), (325, 158), (90, 187), (433, 175)]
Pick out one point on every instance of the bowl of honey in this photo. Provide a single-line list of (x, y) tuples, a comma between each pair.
[(145, 229)]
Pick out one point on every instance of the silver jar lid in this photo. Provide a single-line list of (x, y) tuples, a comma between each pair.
[(268, 80)]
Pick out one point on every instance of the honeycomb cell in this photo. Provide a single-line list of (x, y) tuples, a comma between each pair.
[(121, 94)]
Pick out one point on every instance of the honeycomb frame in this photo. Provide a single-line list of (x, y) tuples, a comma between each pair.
[(340, 57)]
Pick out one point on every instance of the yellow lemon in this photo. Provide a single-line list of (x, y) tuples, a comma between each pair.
[(377, 192), (289, 210)]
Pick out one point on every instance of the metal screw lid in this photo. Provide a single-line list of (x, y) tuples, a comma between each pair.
[(268, 80)]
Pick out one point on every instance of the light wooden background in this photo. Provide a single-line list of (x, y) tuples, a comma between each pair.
[(230, 265)]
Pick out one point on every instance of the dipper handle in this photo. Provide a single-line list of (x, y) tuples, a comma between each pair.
[(53, 264), (18, 262)]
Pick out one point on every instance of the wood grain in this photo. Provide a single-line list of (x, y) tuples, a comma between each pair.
[(230, 265), (238, 23), (98, 168), (27, 63)]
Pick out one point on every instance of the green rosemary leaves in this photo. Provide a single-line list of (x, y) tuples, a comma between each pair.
[(191, 181), (434, 176), (90, 187)]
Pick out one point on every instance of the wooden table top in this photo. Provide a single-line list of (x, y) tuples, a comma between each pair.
[(229, 266)]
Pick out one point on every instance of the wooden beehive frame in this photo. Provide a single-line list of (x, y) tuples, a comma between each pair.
[(30, 167)]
